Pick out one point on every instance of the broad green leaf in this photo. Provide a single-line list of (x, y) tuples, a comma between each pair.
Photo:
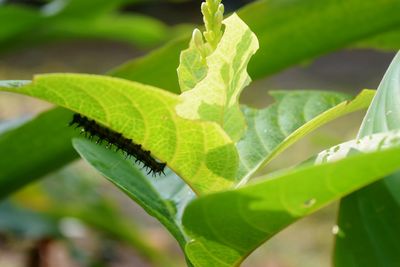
[(216, 97), (27, 163), (24, 164), (227, 226), (289, 32), (207, 160), (380, 219), (35, 149), (295, 114)]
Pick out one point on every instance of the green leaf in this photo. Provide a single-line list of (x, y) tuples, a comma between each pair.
[(207, 160), (369, 217), (47, 153), (135, 184), (215, 97), (227, 226), (376, 208), (29, 152), (289, 32), (164, 198), (295, 114), (384, 113)]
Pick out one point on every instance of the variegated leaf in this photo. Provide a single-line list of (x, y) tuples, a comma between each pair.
[(215, 98)]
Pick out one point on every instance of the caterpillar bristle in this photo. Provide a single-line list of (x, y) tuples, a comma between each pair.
[(90, 129)]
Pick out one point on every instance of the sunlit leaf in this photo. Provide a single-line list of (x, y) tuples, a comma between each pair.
[(226, 227), (146, 115), (294, 115), (215, 97)]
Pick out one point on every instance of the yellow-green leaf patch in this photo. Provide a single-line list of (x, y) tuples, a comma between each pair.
[(200, 152), (215, 97)]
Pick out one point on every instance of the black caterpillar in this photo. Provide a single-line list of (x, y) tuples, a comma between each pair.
[(92, 129)]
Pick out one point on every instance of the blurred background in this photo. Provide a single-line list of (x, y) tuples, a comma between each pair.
[(60, 221)]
